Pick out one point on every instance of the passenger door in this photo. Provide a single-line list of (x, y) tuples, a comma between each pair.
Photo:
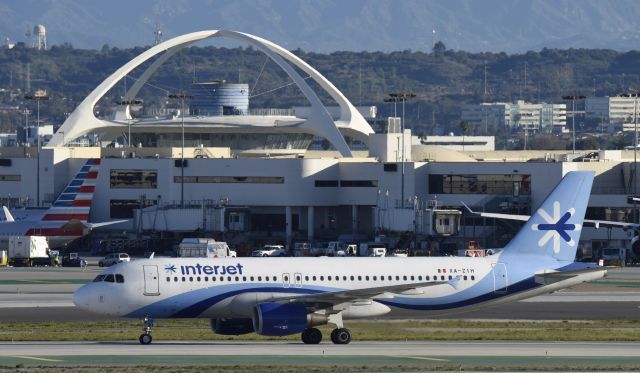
[(298, 280), (500, 279), (151, 280)]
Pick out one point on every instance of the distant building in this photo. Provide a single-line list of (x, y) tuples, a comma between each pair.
[(617, 111), (540, 117), (29, 136)]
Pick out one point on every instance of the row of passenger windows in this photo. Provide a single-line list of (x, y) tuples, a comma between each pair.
[(110, 278), (298, 278)]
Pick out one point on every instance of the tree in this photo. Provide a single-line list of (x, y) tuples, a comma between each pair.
[(464, 127), (546, 142), (439, 48)]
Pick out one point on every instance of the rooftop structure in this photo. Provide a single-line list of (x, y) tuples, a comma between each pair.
[(264, 134)]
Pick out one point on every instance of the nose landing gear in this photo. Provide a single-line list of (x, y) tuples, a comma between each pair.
[(145, 337)]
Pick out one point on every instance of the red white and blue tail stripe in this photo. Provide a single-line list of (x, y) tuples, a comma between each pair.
[(74, 203)]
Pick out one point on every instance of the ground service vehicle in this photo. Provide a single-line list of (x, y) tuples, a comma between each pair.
[(28, 250), (204, 248), (270, 250), (113, 258), (73, 260)]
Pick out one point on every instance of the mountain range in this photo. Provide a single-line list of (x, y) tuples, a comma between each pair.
[(511, 26)]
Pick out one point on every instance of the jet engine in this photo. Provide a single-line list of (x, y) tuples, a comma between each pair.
[(232, 326), (277, 319)]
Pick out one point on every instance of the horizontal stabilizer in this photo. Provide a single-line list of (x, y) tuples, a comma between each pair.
[(588, 274), (103, 224)]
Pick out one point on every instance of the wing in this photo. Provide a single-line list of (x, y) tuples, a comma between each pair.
[(496, 215), (344, 296), (587, 222)]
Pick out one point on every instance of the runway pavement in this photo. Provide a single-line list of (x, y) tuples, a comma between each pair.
[(410, 355)]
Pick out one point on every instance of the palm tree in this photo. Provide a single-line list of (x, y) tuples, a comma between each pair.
[(464, 127)]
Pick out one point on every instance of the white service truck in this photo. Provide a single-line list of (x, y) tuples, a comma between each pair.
[(373, 249), (28, 251), (204, 248), (270, 250)]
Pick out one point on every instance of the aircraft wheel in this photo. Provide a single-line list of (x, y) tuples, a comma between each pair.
[(145, 339), (311, 336), (341, 336)]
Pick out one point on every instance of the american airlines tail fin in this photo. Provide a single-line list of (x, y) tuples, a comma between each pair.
[(74, 203), (554, 229), (8, 218)]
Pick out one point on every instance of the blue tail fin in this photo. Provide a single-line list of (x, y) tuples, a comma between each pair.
[(554, 230)]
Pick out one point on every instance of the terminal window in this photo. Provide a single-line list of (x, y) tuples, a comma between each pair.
[(359, 183), (133, 179), (123, 208), (9, 177), (231, 179), (512, 185), (326, 183)]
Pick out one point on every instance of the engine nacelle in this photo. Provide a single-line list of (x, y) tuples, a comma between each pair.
[(232, 326), (277, 319)]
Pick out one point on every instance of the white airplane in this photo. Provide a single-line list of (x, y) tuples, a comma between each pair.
[(283, 296), (66, 219)]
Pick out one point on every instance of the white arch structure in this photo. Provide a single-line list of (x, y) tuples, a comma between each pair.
[(82, 120)]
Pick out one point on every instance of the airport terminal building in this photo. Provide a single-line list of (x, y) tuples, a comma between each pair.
[(249, 175)]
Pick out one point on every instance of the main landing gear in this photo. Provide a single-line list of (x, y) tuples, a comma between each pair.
[(340, 335), (145, 337)]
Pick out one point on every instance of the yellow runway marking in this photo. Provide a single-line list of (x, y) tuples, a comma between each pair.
[(38, 358), (419, 358)]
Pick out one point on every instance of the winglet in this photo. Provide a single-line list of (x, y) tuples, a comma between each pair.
[(7, 215)]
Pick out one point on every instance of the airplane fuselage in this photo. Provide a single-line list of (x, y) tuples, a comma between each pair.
[(58, 233), (231, 287)]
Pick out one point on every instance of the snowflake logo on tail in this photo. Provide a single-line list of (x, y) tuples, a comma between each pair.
[(556, 227)]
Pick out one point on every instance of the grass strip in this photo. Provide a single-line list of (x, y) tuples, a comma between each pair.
[(410, 330)]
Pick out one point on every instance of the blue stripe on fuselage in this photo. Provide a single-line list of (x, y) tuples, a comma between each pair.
[(518, 287), (162, 308)]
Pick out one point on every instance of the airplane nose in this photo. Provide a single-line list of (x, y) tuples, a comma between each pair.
[(81, 298)]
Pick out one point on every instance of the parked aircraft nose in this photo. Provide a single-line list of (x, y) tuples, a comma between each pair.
[(81, 298)]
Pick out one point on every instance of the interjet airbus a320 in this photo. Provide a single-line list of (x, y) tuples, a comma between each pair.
[(283, 296)]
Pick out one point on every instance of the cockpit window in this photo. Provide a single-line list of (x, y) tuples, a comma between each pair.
[(119, 279), (109, 278), (99, 278)]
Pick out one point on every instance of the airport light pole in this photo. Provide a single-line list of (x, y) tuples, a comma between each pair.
[(182, 96), (635, 150), (573, 99), (127, 103), (38, 96), (26, 113), (401, 97)]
